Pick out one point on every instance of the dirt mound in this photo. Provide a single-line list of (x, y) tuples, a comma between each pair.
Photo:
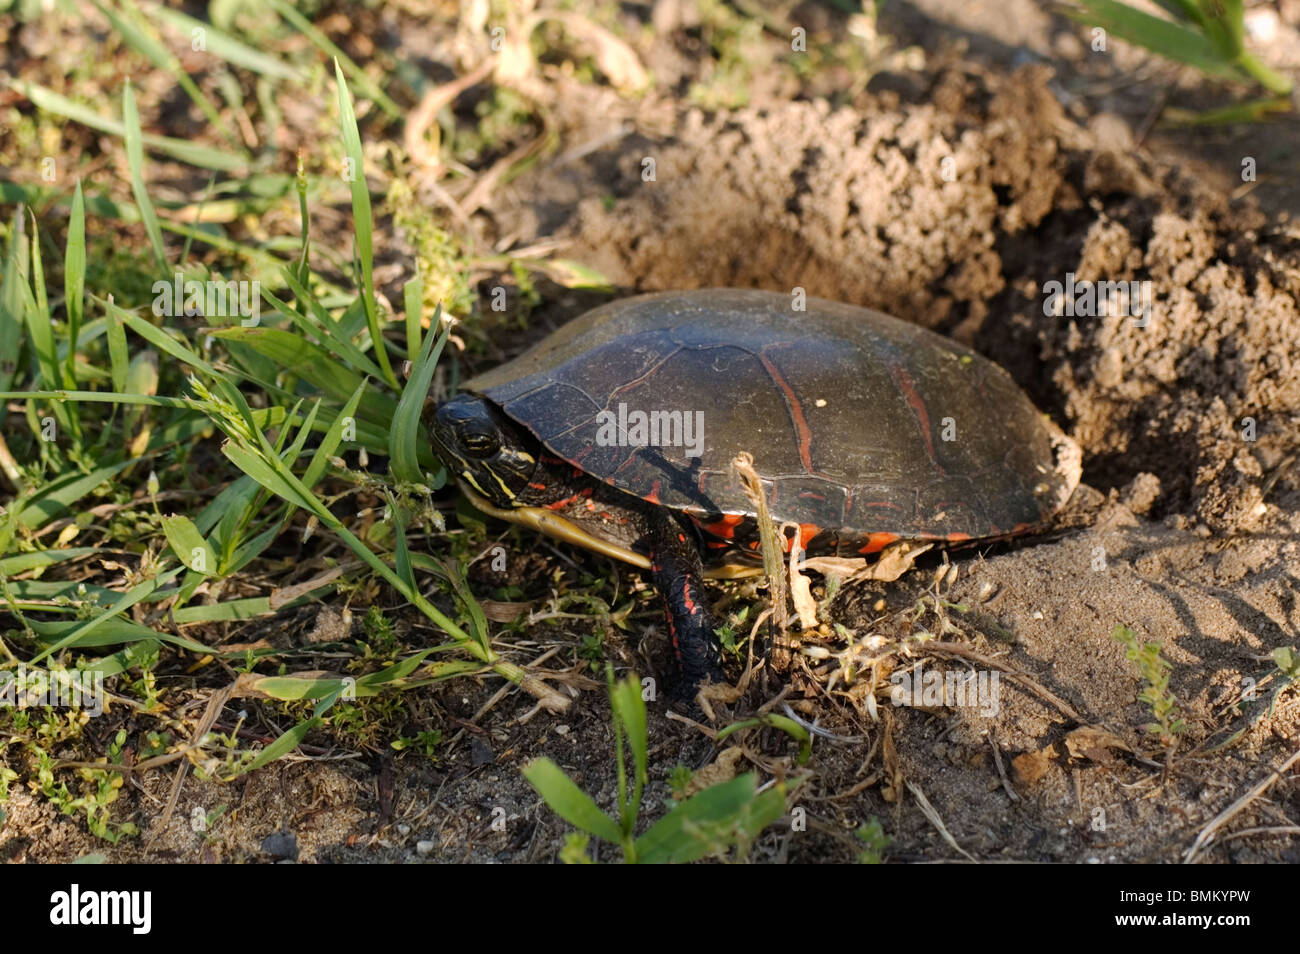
[(956, 214)]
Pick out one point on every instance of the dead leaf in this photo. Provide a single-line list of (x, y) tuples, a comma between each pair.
[(1030, 767), (722, 769), (502, 612), (716, 692), (891, 789), (245, 647), (801, 587), (612, 56), (895, 560), (1092, 742), (282, 596)]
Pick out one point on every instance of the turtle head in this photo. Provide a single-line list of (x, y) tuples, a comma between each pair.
[(484, 448)]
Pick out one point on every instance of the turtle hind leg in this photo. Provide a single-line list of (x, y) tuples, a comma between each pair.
[(679, 575)]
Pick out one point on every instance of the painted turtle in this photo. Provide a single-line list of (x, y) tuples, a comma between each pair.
[(617, 433)]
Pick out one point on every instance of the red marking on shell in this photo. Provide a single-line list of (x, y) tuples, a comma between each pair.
[(653, 496), (795, 408), (907, 387), (877, 542), (958, 537)]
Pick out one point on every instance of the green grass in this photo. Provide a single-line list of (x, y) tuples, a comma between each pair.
[(718, 821), (1208, 35), (164, 468)]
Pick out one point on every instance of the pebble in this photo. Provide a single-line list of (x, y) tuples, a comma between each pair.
[(424, 848), (281, 845)]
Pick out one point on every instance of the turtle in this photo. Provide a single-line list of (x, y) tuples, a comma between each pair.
[(617, 432)]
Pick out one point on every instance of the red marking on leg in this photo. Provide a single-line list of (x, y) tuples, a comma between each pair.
[(691, 606), (559, 504)]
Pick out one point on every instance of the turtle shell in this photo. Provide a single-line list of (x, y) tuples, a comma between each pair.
[(857, 422)]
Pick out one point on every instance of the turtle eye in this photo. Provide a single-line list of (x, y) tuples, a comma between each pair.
[(481, 445)]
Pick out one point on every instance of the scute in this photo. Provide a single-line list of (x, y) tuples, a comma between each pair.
[(856, 420)]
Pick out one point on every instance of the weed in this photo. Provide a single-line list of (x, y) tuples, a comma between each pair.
[(724, 817), (874, 842), (1154, 670)]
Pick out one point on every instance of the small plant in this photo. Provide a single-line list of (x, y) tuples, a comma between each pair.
[(874, 842), (379, 632), (1288, 662), (425, 742), (726, 816), (1155, 693)]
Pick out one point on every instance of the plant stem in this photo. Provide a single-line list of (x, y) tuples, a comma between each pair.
[(1270, 79)]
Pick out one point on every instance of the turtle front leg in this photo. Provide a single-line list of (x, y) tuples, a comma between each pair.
[(679, 575)]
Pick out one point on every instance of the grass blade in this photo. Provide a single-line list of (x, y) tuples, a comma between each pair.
[(59, 496), (307, 29), (135, 159), (1173, 41), (363, 223), (188, 545), (413, 297), (148, 46), (405, 433), (118, 356), (159, 339), (12, 306), (225, 47), (570, 802), (74, 281), (205, 157), (83, 629), (710, 822)]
